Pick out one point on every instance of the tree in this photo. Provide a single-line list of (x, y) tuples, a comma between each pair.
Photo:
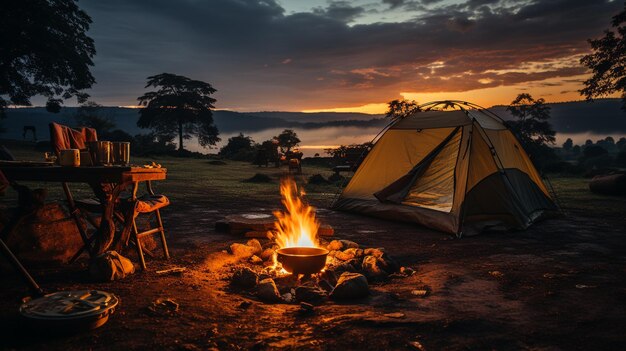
[(568, 144), (287, 139), (608, 62), (238, 147), (401, 108), (90, 114), (532, 124), (180, 106), (533, 129), (45, 51)]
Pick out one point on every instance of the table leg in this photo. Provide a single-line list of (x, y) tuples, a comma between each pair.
[(82, 228)]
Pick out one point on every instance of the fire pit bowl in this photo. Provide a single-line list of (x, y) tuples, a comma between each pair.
[(302, 260)]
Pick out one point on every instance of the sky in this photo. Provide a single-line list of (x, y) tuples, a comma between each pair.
[(319, 55)]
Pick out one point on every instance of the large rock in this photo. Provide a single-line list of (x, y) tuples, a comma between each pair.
[(267, 254), (267, 291), (350, 286), (244, 278), (243, 252), (335, 245), (376, 252), (256, 245), (347, 244), (371, 269), (47, 236)]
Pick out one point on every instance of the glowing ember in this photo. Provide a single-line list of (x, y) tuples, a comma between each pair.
[(297, 225)]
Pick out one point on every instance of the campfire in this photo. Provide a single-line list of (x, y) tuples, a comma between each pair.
[(296, 234), (295, 264)]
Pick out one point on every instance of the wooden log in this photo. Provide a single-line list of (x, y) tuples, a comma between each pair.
[(614, 184), (257, 222)]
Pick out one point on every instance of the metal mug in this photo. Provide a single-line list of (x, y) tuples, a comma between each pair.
[(69, 157), (100, 152), (120, 154)]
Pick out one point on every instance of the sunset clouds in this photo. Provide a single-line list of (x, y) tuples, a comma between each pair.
[(270, 55)]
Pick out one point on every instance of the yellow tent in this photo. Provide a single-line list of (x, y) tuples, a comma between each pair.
[(453, 166)]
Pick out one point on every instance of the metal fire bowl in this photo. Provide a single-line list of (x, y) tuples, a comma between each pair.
[(302, 260)]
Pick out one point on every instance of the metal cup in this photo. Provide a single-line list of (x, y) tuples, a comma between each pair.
[(69, 157), (120, 154), (100, 152)]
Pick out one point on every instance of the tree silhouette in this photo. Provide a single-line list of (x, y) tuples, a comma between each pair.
[(180, 106), (287, 139), (91, 114), (568, 144), (401, 108), (533, 129), (45, 51), (608, 62)]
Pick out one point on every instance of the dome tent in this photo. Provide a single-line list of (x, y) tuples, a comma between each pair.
[(452, 166)]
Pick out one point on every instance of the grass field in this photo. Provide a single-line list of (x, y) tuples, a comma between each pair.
[(191, 178)]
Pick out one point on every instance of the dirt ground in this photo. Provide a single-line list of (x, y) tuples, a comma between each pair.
[(559, 285)]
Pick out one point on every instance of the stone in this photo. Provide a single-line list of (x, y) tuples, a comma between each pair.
[(347, 244), (407, 271), (267, 291), (376, 252), (354, 252), (346, 266), (311, 294), (243, 252), (287, 297), (371, 269), (255, 260), (256, 245), (330, 276), (344, 255), (47, 236), (335, 245), (267, 254), (388, 264), (244, 278), (350, 286)]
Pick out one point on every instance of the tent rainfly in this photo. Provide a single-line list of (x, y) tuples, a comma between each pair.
[(454, 167)]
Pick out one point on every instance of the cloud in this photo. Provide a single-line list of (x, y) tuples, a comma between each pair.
[(242, 48)]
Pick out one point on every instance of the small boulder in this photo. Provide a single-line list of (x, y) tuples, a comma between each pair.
[(347, 244), (350, 286), (371, 269), (346, 266), (354, 252), (344, 255), (255, 260), (267, 291), (244, 278), (311, 294), (388, 264), (256, 245), (335, 245), (267, 254), (243, 252), (376, 252), (407, 271)]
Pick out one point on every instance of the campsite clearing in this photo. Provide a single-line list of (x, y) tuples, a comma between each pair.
[(529, 289)]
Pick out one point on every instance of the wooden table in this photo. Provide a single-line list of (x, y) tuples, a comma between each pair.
[(119, 178)]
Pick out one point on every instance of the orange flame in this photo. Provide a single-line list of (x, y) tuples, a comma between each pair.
[(297, 225)]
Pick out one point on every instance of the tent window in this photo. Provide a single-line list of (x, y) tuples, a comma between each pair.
[(434, 189)]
